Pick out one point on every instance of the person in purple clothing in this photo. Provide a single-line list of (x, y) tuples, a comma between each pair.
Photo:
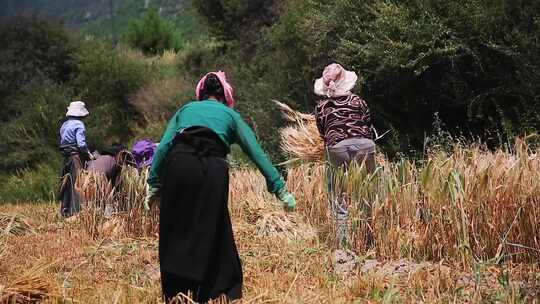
[(143, 152), (75, 151)]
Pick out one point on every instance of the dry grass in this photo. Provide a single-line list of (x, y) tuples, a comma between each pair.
[(119, 211), (14, 224), (167, 58), (453, 228), (160, 98), (31, 287)]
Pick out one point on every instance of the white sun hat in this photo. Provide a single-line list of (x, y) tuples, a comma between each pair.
[(335, 81), (77, 109)]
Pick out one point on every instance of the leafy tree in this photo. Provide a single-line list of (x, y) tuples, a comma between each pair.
[(237, 19), (31, 48), (152, 34), (474, 62), (105, 81), (43, 68)]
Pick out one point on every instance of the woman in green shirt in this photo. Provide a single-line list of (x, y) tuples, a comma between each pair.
[(197, 251)]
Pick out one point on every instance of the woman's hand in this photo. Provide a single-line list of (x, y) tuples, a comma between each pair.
[(287, 198)]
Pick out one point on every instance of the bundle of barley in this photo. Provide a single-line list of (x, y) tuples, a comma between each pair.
[(285, 225), (292, 115), (31, 287), (132, 189), (130, 200), (248, 195), (96, 194), (93, 188), (14, 224), (301, 140)]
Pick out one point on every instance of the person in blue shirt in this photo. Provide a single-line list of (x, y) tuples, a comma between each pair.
[(75, 151)]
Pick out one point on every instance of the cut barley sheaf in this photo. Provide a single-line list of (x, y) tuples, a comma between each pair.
[(301, 140)]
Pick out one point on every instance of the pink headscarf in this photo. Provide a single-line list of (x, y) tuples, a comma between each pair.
[(227, 88)]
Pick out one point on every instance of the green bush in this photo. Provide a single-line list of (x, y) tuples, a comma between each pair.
[(153, 34), (105, 82), (474, 63), (152, 129), (39, 184), (32, 48), (237, 19), (32, 136), (44, 68)]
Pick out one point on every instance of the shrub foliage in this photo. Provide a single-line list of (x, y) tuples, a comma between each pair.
[(474, 62), (152, 34)]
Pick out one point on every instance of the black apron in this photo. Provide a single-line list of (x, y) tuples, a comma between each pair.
[(197, 250), (69, 199)]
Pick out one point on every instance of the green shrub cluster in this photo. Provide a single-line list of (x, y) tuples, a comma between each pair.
[(43, 68), (470, 66), (474, 63), (37, 60), (32, 185), (153, 34), (106, 80)]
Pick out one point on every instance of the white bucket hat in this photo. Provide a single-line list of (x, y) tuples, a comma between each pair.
[(77, 109), (335, 81)]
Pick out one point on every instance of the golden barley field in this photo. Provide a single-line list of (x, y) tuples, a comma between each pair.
[(454, 227), (458, 228)]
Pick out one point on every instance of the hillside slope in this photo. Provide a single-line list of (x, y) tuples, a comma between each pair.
[(94, 16)]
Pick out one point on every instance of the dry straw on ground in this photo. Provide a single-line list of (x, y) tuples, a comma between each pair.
[(30, 287), (285, 225), (14, 224)]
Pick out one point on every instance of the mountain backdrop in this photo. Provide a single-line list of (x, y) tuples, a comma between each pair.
[(94, 16)]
